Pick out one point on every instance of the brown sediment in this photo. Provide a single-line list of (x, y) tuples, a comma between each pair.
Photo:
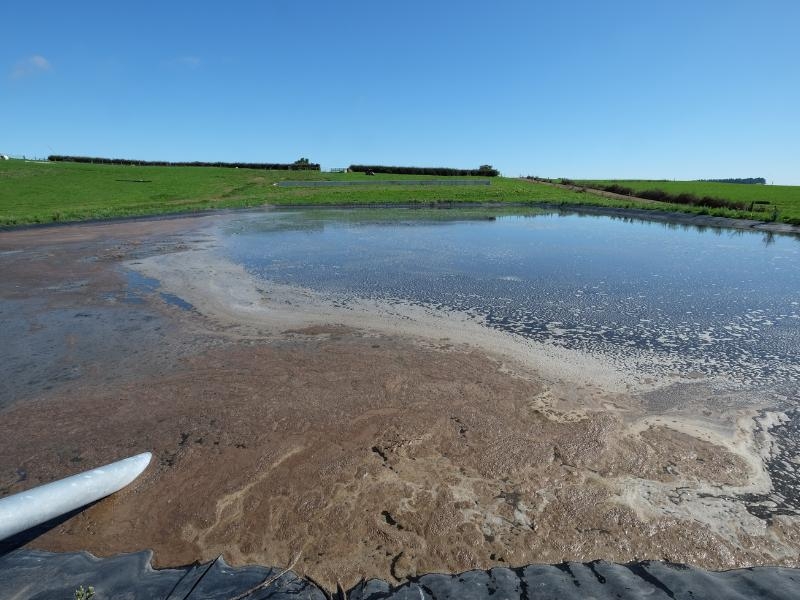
[(355, 450), (375, 453)]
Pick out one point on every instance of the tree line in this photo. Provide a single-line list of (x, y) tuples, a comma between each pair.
[(302, 164), (482, 171), (746, 180)]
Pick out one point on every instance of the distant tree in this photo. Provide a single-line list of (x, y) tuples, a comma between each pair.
[(302, 161), (488, 170)]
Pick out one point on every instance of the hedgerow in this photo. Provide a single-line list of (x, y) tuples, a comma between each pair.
[(295, 166), (483, 170)]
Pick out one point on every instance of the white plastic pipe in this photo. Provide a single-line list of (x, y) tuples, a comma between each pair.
[(22, 511)]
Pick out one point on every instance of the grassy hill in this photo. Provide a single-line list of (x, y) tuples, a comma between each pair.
[(44, 192)]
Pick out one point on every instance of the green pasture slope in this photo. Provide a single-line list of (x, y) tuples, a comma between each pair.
[(786, 198), (43, 192)]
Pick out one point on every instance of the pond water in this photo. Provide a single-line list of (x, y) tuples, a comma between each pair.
[(669, 298)]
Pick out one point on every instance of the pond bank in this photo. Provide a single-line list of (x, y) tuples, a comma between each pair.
[(660, 213), (679, 218), (652, 215)]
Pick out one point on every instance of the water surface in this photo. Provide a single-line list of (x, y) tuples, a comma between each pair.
[(665, 298)]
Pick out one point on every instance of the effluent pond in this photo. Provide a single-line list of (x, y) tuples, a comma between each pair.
[(698, 302)]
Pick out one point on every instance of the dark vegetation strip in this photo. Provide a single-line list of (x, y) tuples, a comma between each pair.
[(745, 180), (300, 165), (482, 171), (379, 182), (662, 196)]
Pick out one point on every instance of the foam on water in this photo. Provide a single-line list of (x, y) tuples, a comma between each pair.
[(657, 299)]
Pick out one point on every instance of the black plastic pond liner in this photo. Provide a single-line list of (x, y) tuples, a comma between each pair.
[(36, 575)]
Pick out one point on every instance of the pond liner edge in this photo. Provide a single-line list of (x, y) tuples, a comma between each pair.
[(36, 575)]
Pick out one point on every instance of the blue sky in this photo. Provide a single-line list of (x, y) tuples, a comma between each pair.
[(678, 90)]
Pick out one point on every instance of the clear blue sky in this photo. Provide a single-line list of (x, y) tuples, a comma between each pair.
[(680, 89)]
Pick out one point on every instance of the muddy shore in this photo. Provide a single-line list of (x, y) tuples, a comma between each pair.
[(378, 443)]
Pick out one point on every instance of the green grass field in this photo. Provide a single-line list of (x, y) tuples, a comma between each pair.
[(785, 198), (34, 192), (42, 192)]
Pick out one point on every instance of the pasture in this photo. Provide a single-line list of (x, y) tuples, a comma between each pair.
[(46, 192)]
